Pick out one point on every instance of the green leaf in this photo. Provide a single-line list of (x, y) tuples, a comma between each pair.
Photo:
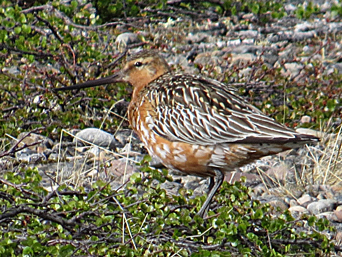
[(17, 30), (26, 28), (135, 178)]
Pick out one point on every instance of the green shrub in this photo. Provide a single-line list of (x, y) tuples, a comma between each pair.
[(142, 220)]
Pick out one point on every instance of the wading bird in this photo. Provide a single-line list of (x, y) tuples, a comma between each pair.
[(194, 124)]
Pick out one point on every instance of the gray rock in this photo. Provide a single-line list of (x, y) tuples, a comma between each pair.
[(53, 157), (334, 26), (197, 37), (305, 119), (290, 7), (278, 203), (29, 156), (126, 39), (305, 200), (7, 162), (202, 188), (248, 41), (122, 169), (301, 36), (338, 214), (246, 48), (156, 163), (234, 42), (97, 137), (338, 236), (45, 142), (193, 182), (332, 67), (124, 136), (242, 58), (328, 215), (320, 206), (207, 58), (61, 145), (12, 70), (292, 69), (259, 190), (293, 203), (171, 188), (298, 211), (94, 151)]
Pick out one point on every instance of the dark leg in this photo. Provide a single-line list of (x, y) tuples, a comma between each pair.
[(214, 184), (211, 183)]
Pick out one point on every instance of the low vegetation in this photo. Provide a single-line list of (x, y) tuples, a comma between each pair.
[(142, 220)]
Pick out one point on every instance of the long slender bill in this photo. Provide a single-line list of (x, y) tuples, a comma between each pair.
[(93, 83)]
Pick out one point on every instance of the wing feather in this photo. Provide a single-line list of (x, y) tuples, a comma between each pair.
[(196, 110)]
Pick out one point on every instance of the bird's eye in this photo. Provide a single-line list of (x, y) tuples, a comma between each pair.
[(138, 64)]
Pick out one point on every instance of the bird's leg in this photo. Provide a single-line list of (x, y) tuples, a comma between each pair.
[(211, 183), (214, 184)]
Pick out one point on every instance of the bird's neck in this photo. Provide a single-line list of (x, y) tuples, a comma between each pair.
[(143, 83)]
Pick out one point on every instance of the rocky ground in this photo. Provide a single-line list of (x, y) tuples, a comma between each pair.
[(300, 180)]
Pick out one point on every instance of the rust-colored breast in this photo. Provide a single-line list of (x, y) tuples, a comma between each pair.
[(188, 158)]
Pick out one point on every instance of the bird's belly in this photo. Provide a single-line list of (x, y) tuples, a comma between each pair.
[(177, 156), (192, 159), (202, 160)]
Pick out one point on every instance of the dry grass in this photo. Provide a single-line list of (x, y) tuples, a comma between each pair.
[(328, 168), (319, 164), (92, 162)]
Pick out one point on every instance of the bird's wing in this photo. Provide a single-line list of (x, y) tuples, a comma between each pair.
[(197, 110)]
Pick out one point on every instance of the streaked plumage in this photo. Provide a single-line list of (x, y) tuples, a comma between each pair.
[(195, 124)]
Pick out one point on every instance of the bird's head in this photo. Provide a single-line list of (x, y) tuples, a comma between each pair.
[(139, 70)]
